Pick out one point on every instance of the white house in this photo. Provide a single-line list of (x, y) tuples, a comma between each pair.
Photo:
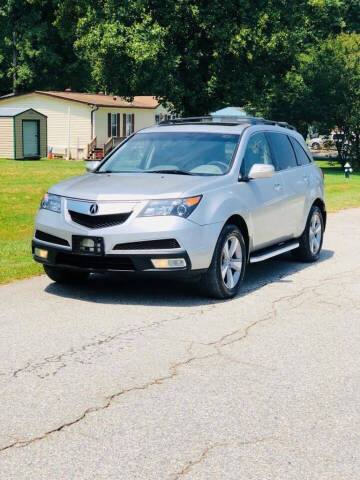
[(79, 125)]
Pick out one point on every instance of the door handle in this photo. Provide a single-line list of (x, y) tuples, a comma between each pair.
[(278, 187), (306, 179)]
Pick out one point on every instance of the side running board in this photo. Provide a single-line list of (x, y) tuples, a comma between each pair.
[(273, 252)]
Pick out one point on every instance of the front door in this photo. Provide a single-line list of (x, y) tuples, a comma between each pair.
[(31, 138), (266, 196)]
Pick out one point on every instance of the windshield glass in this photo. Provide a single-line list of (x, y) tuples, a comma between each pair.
[(190, 153)]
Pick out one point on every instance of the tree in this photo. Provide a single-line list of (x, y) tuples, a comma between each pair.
[(331, 75), (323, 90), (195, 55), (199, 55), (33, 52)]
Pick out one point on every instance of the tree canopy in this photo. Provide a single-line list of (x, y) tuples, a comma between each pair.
[(290, 60)]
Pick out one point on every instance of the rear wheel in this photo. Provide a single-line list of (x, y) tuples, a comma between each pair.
[(226, 272), (61, 275), (316, 146), (312, 239)]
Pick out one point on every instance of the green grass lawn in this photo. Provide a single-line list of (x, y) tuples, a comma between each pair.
[(340, 192), (22, 184)]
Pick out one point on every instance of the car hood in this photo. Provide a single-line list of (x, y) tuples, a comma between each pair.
[(128, 186)]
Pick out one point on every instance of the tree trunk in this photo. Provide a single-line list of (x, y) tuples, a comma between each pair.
[(14, 63), (357, 152)]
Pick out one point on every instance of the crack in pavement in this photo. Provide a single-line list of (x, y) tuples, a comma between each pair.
[(212, 447), (57, 362), (108, 401), (175, 367), (273, 315)]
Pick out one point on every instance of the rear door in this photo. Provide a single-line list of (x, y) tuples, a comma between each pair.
[(294, 181), (306, 175), (265, 196)]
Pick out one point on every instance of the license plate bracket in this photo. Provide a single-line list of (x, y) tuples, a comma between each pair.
[(88, 245)]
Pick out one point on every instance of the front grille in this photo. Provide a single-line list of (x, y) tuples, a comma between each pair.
[(149, 245), (46, 237), (98, 221), (94, 262)]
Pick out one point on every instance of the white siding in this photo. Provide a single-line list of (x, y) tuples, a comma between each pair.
[(6, 137), (56, 111), (144, 117)]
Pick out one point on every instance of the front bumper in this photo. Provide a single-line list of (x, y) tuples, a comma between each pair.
[(63, 258), (196, 242)]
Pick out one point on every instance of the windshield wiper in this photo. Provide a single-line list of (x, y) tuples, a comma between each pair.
[(175, 172)]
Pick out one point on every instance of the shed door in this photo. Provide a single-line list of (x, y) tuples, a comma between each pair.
[(31, 138)]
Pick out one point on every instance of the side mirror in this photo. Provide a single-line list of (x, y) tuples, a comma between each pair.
[(261, 170), (92, 165)]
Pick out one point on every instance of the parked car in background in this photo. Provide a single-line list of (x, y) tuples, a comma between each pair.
[(323, 142), (189, 197)]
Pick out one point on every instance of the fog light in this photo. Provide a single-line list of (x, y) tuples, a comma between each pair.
[(39, 252), (168, 262)]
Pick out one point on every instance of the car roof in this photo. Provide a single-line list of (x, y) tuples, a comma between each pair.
[(237, 129), (216, 128), (219, 125)]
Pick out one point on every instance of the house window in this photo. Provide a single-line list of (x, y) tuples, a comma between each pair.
[(157, 119), (129, 124), (114, 132)]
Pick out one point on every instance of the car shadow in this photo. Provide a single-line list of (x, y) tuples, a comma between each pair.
[(132, 290)]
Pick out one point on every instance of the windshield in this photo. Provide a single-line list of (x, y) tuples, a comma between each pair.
[(188, 153)]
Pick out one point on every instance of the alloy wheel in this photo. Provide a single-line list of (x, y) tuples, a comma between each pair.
[(315, 234), (231, 262)]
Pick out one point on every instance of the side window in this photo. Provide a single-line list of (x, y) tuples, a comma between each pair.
[(300, 153), (284, 156), (257, 151)]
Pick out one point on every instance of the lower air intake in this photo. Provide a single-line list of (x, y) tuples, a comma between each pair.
[(165, 244), (95, 262), (46, 237)]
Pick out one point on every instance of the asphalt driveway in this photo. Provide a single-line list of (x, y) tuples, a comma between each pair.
[(122, 379)]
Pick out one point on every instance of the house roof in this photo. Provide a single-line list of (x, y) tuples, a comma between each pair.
[(12, 112), (230, 112), (101, 100)]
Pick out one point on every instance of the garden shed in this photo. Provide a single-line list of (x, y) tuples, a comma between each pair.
[(23, 133)]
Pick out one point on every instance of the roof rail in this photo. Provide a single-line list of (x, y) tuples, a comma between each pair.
[(218, 120)]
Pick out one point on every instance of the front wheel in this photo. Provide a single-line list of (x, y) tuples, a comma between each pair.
[(226, 272), (312, 239), (62, 275)]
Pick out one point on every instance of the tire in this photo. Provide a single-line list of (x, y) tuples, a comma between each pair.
[(311, 243), (315, 146), (221, 280), (61, 275)]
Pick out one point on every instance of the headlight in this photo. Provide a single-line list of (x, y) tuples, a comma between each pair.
[(51, 202), (181, 207)]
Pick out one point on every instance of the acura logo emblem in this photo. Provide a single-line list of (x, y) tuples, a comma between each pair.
[(94, 208)]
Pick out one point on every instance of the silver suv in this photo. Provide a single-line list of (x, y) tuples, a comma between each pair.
[(188, 196)]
